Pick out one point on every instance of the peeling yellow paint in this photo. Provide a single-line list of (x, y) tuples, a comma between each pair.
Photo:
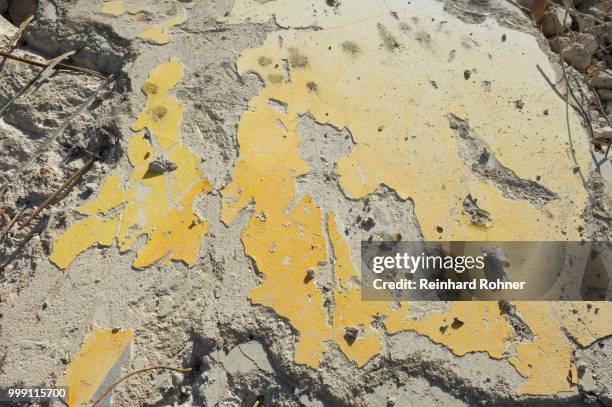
[(159, 206), (294, 232), (465, 327), (90, 367), (403, 140), (585, 321), (158, 34), (118, 8), (299, 245), (350, 311), (397, 125), (546, 361)]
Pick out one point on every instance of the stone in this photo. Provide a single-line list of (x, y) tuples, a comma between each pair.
[(197, 275), (588, 41), (602, 79), (22, 9), (478, 216), (607, 35), (576, 52), (161, 164), (596, 8), (605, 94), (7, 30), (90, 186), (351, 332), (602, 134), (555, 18)]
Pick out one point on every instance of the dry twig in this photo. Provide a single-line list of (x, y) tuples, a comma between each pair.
[(42, 75), (8, 227), (127, 376), (63, 67), (61, 189), (569, 89), (13, 41)]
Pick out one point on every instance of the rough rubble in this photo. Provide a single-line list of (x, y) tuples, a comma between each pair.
[(203, 314)]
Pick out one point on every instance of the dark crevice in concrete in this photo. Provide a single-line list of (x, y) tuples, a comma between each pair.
[(482, 160)]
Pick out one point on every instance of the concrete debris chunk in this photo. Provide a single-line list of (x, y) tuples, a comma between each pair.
[(161, 164), (607, 33), (477, 216), (597, 8), (602, 134), (351, 332), (605, 94), (301, 130), (7, 30), (602, 79), (22, 9), (555, 18), (577, 52)]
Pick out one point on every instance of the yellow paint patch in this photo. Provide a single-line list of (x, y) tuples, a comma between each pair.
[(91, 365), (397, 111), (158, 34), (350, 311), (118, 8), (93, 229), (285, 246), (290, 13), (465, 327), (157, 205), (396, 124), (585, 321), (547, 360)]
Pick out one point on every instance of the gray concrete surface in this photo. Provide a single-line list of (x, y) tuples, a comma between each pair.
[(202, 315)]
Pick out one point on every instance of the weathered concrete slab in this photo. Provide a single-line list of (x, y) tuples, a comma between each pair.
[(297, 129)]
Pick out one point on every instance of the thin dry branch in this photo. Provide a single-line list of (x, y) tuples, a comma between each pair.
[(8, 227), (61, 189), (569, 89), (41, 76), (15, 38), (127, 376), (63, 67)]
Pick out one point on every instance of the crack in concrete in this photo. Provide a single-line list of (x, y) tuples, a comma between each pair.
[(482, 160)]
